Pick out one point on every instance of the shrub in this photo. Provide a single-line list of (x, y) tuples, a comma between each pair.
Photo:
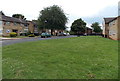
[(36, 34), (28, 33), (13, 34), (23, 34), (31, 35), (72, 33)]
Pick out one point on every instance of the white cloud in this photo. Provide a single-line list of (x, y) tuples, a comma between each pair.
[(75, 8)]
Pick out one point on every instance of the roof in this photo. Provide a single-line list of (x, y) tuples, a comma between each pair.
[(107, 20), (33, 22), (12, 19), (88, 28)]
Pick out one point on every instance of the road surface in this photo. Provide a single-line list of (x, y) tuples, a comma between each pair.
[(9, 42)]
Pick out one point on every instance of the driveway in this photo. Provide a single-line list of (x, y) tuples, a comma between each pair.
[(9, 42)]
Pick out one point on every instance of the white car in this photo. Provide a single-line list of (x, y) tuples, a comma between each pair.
[(67, 34)]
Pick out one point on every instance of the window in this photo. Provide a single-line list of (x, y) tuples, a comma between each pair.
[(112, 23), (0, 32), (7, 23), (0, 23), (7, 31), (15, 24), (25, 25), (112, 32), (14, 30), (22, 24)]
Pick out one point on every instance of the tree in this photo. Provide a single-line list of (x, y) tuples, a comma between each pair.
[(96, 27), (52, 18), (1, 13), (78, 26), (19, 16)]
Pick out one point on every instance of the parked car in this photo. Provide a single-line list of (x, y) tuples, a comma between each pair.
[(48, 35), (67, 34), (45, 35), (62, 34)]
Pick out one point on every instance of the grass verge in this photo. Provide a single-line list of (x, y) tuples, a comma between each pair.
[(86, 57)]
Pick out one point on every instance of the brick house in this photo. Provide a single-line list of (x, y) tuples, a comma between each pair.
[(111, 27), (88, 31), (18, 25), (32, 27), (10, 24)]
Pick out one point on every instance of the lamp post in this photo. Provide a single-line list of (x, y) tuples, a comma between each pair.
[(44, 30)]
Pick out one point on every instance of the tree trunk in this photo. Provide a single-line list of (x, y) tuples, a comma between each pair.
[(52, 31)]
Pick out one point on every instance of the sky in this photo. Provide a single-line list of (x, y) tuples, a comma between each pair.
[(89, 10)]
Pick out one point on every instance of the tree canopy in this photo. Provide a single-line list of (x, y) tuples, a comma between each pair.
[(2, 13), (78, 26), (96, 27), (52, 17), (19, 16)]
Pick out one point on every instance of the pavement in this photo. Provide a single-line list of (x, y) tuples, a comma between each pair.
[(9, 41), (3, 38)]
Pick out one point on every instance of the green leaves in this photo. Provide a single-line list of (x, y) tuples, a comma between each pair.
[(18, 16), (96, 27), (78, 26), (52, 17)]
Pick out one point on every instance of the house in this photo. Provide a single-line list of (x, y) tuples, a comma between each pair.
[(118, 27), (106, 26), (18, 25), (1, 28), (111, 27), (32, 26), (10, 24), (88, 31), (36, 29)]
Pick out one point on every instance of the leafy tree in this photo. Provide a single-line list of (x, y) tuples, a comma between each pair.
[(1, 13), (78, 26), (96, 27), (19, 16), (52, 18)]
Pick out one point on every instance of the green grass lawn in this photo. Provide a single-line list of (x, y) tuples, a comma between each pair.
[(70, 58)]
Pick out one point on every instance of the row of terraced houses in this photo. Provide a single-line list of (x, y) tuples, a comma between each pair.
[(18, 25), (21, 26)]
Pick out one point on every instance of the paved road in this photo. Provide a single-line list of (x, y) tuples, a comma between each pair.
[(9, 42)]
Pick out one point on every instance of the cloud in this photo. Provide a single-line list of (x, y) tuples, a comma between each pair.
[(109, 11), (89, 10)]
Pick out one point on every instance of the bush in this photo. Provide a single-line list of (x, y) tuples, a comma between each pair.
[(31, 35), (13, 34), (28, 33), (23, 34), (72, 33), (36, 34)]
